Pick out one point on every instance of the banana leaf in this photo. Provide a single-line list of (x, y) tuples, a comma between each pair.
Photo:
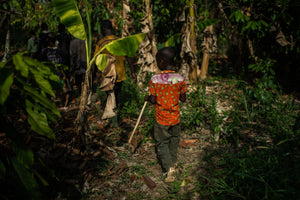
[(126, 46), (69, 15), (101, 61)]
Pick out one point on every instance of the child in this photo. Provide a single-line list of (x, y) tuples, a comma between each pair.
[(166, 89)]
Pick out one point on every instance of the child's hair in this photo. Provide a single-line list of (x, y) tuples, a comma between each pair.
[(106, 24), (166, 54)]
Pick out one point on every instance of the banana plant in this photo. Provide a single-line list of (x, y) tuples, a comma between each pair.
[(70, 16)]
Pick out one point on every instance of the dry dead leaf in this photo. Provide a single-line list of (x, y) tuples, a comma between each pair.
[(151, 184), (96, 153), (134, 143), (191, 142), (182, 144), (91, 117), (68, 130), (122, 168)]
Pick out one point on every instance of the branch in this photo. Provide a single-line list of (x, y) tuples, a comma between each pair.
[(10, 12)]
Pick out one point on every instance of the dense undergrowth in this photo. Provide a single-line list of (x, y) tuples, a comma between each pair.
[(256, 151)]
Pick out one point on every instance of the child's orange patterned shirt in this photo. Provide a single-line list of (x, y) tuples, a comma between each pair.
[(167, 87)]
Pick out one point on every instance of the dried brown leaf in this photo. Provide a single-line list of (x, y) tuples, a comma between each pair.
[(122, 168), (182, 144), (151, 184)]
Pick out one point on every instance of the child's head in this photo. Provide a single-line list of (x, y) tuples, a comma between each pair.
[(106, 26), (165, 58)]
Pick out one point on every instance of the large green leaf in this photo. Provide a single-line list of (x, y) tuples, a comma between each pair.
[(121, 47), (69, 15), (6, 80), (26, 177), (125, 46), (41, 81), (39, 66), (44, 101), (101, 61), (38, 120), (20, 64), (24, 156)]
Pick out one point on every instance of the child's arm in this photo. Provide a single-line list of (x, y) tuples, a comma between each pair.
[(150, 98), (183, 91), (182, 97)]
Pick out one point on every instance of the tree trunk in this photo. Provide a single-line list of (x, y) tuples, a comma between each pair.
[(7, 44), (80, 121), (204, 65), (208, 46), (148, 49), (189, 67), (194, 66), (126, 18)]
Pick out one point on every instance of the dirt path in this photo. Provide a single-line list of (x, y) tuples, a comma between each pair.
[(136, 174)]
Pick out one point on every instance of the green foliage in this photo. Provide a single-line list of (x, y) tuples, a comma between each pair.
[(238, 16), (201, 110), (266, 83), (207, 21), (25, 88), (173, 40), (173, 189), (132, 99), (264, 162), (193, 115), (126, 46), (101, 61), (6, 81), (70, 17)]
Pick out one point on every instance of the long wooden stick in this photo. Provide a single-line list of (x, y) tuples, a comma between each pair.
[(137, 123)]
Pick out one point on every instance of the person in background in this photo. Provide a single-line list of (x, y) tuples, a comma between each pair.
[(33, 45), (44, 37), (166, 89), (108, 36), (63, 39), (53, 54), (78, 62)]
